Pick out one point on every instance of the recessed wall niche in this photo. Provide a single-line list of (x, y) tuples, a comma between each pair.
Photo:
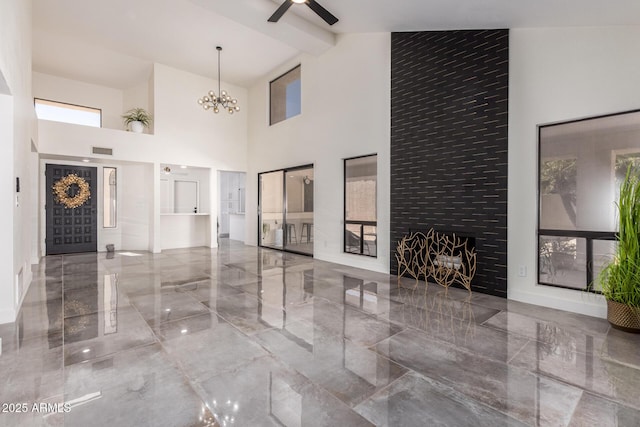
[(449, 121)]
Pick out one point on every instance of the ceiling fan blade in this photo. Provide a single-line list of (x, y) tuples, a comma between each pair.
[(281, 10), (322, 12)]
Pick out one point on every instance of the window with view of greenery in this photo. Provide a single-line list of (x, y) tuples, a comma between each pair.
[(581, 166), (559, 177)]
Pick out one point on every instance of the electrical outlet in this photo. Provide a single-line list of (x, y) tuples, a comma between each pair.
[(522, 271)]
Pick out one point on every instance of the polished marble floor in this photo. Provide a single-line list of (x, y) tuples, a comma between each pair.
[(239, 336)]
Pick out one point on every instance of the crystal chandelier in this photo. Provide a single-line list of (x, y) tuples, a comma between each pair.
[(223, 100)]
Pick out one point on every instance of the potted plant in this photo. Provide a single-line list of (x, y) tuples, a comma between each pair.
[(137, 119), (620, 279)]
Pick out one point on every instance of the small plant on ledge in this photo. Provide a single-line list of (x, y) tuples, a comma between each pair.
[(137, 119)]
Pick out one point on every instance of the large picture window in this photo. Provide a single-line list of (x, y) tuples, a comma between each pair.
[(285, 96), (581, 166), (360, 199)]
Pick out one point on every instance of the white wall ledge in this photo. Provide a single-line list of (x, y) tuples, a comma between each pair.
[(184, 214)]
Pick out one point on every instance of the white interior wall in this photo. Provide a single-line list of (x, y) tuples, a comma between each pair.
[(558, 74), (345, 113), (136, 201), (151, 100), (64, 139), (109, 100), (7, 305), (34, 225), (188, 134), (17, 129), (136, 97), (185, 231)]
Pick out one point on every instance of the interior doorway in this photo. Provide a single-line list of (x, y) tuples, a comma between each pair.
[(231, 205), (285, 203)]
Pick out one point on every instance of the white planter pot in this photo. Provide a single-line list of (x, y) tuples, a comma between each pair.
[(136, 127)]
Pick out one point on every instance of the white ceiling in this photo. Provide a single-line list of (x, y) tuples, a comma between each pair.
[(114, 43)]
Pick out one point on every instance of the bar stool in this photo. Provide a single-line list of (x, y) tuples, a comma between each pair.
[(291, 227), (308, 228)]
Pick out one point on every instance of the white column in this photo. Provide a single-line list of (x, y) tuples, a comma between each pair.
[(7, 199)]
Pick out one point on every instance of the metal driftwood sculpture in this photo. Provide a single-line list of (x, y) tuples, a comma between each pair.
[(411, 255), (444, 258)]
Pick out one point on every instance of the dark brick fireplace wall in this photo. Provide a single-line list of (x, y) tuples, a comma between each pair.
[(449, 120)]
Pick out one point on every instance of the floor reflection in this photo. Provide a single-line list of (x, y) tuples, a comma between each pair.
[(247, 336), (285, 404), (432, 308), (91, 310)]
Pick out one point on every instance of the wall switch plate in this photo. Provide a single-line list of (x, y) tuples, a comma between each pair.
[(522, 271)]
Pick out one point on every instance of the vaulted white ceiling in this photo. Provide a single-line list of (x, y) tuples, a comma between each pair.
[(115, 42)]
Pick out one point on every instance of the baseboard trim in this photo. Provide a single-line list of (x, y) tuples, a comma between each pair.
[(589, 304), (356, 261), (28, 278)]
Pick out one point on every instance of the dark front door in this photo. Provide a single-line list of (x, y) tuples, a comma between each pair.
[(71, 209)]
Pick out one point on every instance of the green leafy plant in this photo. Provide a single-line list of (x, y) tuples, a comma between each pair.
[(137, 115), (620, 279)]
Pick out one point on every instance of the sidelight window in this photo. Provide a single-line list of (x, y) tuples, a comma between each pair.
[(110, 202)]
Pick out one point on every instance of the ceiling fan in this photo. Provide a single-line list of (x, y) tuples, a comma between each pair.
[(314, 5)]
